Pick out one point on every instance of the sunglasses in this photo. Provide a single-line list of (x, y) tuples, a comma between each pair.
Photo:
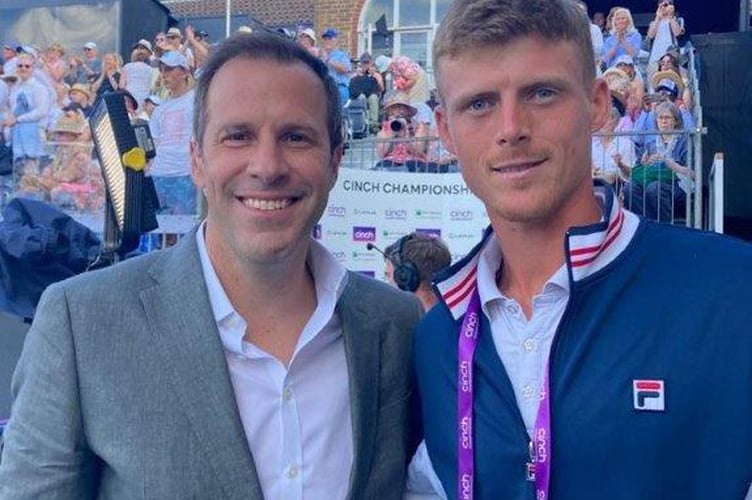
[(27, 66), (88, 49)]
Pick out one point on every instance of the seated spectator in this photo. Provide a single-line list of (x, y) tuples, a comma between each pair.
[(670, 62), (623, 40), (409, 77), (368, 83), (621, 95), (404, 143), (668, 87), (664, 30), (636, 82), (660, 184), (613, 156), (411, 263), (71, 181)]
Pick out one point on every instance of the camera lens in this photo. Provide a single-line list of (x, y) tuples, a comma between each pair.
[(396, 125)]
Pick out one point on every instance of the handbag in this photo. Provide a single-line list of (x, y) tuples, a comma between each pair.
[(652, 172), (6, 159)]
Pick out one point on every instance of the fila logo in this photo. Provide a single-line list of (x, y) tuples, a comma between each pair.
[(649, 395)]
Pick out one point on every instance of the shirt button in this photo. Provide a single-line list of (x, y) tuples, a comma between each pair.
[(529, 344), (287, 394), (292, 472), (512, 309), (528, 391)]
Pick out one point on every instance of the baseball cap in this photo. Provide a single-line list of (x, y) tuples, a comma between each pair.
[(175, 59), (668, 85), (309, 33), (245, 29), (329, 33), (145, 44), (154, 99), (11, 44), (90, 45), (365, 57), (624, 59)]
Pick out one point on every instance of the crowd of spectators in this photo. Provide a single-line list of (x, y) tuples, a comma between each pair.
[(651, 92), (44, 91)]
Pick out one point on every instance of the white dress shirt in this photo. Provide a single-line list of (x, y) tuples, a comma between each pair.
[(297, 418), (523, 345)]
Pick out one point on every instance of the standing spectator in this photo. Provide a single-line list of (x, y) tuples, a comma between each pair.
[(664, 30), (367, 82), (54, 66), (91, 63), (75, 72), (10, 52), (596, 36), (110, 78), (599, 19), (408, 76), (174, 41), (624, 38), (138, 75), (196, 41), (338, 62), (171, 129), (150, 104), (29, 106)]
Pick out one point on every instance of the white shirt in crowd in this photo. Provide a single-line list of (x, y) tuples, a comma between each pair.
[(603, 155), (296, 419), (171, 128), (138, 80)]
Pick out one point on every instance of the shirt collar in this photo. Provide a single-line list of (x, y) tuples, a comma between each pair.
[(329, 277), (588, 249)]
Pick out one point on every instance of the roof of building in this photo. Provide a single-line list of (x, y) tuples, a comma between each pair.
[(271, 12)]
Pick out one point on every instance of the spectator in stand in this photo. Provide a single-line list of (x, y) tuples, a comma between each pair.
[(174, 41), (413, 261), (54, 66), (596, 36), (660, 191), (197, 42), (367, 82), (670, 62), (599, 19), (338, 62), (403, 143), (408, 76), (138, 75), (307, 39), (613, 156), (80, 95), (636, 82), (29, 106), (91, 63), (171, 129), (150, 104), (664, 30), (75, 72), (10, 52), (668, 88), (624, 38), (160, 44), (109, 79)]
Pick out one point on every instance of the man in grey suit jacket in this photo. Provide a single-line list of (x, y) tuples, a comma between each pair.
[(243, 363)]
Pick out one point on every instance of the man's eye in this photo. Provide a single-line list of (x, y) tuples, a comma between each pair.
[(233, 138), (542, 94), (479, 104)]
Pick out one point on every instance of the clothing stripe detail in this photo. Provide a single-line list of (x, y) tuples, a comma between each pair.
[(460, 288), (451, 303), (589, 254)]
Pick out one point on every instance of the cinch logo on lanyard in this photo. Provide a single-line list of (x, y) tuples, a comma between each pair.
[(538, 469)]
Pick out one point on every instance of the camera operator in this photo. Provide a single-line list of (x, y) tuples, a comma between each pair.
[(402, 141), (370, 84)]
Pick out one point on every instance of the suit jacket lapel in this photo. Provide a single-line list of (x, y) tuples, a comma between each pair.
[(182, 321), (362, 352)]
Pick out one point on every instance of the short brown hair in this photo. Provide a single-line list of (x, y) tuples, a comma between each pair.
[(471, 24), (428, 254)]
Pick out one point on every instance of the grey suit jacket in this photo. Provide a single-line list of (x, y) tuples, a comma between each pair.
[(122, 389)]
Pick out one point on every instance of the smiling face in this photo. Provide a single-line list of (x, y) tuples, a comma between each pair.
[(621, 21), (522, 136), (266, 170), (24, 66)]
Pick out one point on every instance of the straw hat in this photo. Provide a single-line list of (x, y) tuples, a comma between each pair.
[(80, 87), (397, 98), (69, 123), (659, 76)]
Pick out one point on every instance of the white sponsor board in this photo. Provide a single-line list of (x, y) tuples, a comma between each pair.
[(380, 207)]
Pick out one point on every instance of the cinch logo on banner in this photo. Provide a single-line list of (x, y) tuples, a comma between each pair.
[(364, 234)]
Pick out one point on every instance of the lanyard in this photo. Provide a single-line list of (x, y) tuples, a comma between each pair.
[(539, 468)]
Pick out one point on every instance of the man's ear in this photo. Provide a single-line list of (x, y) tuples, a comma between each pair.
[(600, 108), (335, 162), (197, 164)]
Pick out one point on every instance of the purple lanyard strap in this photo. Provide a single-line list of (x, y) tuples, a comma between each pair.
[(539, 468)]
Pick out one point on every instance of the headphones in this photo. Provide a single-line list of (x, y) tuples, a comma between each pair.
[(406, 274)]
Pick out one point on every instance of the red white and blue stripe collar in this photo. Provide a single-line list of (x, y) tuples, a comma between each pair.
[(588, 249)]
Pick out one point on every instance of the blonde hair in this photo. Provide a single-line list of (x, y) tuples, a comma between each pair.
[(630, 21)]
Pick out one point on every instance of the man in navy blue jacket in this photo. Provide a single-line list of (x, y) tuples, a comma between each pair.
[(578, 352)]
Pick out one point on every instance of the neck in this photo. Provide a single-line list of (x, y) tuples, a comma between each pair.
[(275, 299), (179, 91), (534, 251), (427, 297)]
